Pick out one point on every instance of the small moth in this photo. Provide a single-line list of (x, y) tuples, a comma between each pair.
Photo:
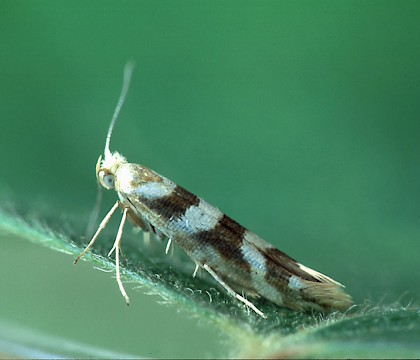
[(240, 261)]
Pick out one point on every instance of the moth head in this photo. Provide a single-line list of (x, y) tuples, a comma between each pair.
[(107, 168), (104, 176)]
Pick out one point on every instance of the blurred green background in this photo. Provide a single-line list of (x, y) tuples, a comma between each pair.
[(298, 119)]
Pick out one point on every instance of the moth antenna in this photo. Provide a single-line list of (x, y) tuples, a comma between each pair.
[(128, 72)]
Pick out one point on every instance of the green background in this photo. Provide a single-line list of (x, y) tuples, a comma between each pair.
[(298, 119)]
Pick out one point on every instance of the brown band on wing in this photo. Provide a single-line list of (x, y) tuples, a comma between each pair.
[(276, 258), (226, 238), (174, 205)]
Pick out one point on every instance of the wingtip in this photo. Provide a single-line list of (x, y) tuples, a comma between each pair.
[(328, 295)]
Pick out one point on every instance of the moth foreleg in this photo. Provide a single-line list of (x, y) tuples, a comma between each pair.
[(232, 292), (100, 228)]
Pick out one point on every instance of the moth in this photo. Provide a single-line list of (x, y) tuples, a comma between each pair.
[(240, 261)]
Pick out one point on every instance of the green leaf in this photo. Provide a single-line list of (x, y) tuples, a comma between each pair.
[(364, 331)]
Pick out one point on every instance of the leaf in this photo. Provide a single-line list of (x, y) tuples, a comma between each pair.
[(31, 343), (385, 331)]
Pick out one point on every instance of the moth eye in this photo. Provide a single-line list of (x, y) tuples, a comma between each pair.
[(108, 181)]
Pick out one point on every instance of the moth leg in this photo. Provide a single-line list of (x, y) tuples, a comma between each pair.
[(168, 246), (232, 292), (100, 228), (116, 246), (195, 270)]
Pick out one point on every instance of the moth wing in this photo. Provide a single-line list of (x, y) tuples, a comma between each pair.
[(283, 260), (318, 290)]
